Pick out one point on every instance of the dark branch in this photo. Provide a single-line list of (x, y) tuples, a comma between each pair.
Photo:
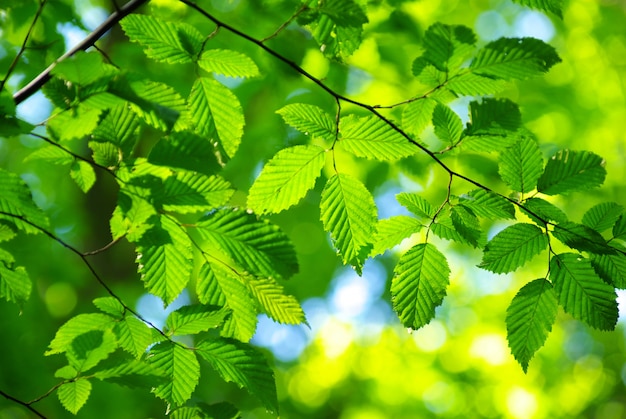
[(20, 402), (89, 41)]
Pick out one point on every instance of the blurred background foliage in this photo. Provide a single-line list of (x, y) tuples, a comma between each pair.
[(355, 361)]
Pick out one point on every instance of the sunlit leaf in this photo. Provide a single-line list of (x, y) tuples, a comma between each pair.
[(74, 395), (278, 305), (569, 171), (15, 284), (228, 62), (417, 115), (88, 349), (581, 237), (189, 192), (310, 120), (521, 165), (185, 150), (544, 209), (448, 46), (391, 231), (83, 174), (181, 368), (76, 326), (448, 125), (467, 225), (611, 267), (133, 335), (83, 68), (554, 6), (372, 138), (488, 204), (416, 204), (193, 319), (603, 216), (513, 247)]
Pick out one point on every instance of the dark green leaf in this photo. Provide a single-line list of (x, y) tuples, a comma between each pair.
[(448, 125), (488, 204), (581, 237), (544, 209), (569, 171), (603, 216), (513, 247), (373, 138)]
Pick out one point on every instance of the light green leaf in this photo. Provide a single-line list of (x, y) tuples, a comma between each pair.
[(581, 237), (373, 138), (193, 319), (513, 247), (603, 216), (348, 212), (105, 154), (74, 123), (164, 259), (419, 285), (133, 373), (67, 372), (416, 204), (75, 327), (467, 225), (470, 84), (286, 178), (582, 293), (279, 306), (310, 120), (51, 154), (110, 305), (130, 217), (444, 227), (391, 231), (83, 175), (488, 204), (521, 165), (217, 285), (514, 58), (569, 171), (529, 319), (88, 349), (188, 192), (256, 245), (216, 113), (6, 232), (83, 68), (417, 115), (15, 284), (545, 210), (181, 369), (228, 62), (74, 395), (163, 41), (121, 127), (133, 335), (494, 116), (448, 46), (243, 365), (448, 125), (554, 6), (185, 150)]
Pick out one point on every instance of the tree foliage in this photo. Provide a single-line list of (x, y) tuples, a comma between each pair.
[(171, 149)]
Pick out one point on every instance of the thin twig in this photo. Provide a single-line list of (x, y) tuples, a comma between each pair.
[(103, 249), (286, 23), (22, 403)]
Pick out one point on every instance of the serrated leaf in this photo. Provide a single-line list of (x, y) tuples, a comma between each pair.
[(419, 285), (83, 68), (554, 6), (217, 285), (286, 178), (185, 150), (611, 267), (529, 319), (444, 227), (193, 319), (448, 125), (188, 192), (582, 293), (130, 217), (134, 336), (163, 41), (348, 212), (603, 216), (133, 373), (310, 120), (392, 231), (513, 247), (488, 204), (15, 284), (181, 369), (51, 154), (619, 228), (157, 104), (67, 372), (417, 115), (110, 305), (105, 154), (494, 116), (74, 395), (6, 232), (256, 245), (373, 138), (243, 365), (416, 204), (545, 210), (74, 123), (521, 165), (569, 171), (83, 174), (448, 46), (228, 63), (120, 127), (88, 349), (581, 237), (216, 113), (470, 84), (164, 259), (514, 58), (466, 224), (280, 307), (75, 327)]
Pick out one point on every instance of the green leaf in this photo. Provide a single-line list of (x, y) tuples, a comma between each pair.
[(6, 232), (164, 259), (569, 171), (181, 369), (310, 120), (338, 27), (488, 204), (582, 293), (513, 247), (494, 116), (74, 123), (130, 217), (88, 349), (603, 216), (15, 284), (448, 46), (110, 305), (554, 6), (133, 373), (514, 58), (470, 84), (286, 178), (529, 319), (417, 115), (419, 285), (105, 154), (256, 245), (121, 127), (193, 319), (67, 372), (348, 212), (51, 154), (83, 68), (279, 306), (163, 41), (448, 125), (77, 326), (133, 335), (216, 113), (373, 138), (228, 62), (74, 395), (619, 228), (243, 365), (611, 268), (391, 231), (444, 227), (83, 175), (416, 204), (188, 192), (521, 165), (581, 237), (185, 150), (467, 225), (217, 285), (545, 210)]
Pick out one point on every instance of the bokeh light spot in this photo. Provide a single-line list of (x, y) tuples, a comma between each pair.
[(60, 299)]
